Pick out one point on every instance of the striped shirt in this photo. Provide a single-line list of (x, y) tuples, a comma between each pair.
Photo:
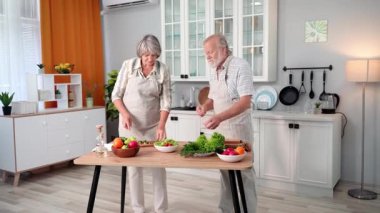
[(133, 67), (238, 76)]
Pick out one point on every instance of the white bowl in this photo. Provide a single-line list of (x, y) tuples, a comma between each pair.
[(232, 158), (165, 148)]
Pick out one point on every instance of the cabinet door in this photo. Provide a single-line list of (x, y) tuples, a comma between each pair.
[(196, 29), (172, 38), (183, 127), (313, 141), (30, 142), (91, 119), (275, 150)]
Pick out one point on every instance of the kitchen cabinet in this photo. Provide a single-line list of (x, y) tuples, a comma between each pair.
[(299, 153), (182, 126), (250, 27), (35, 140), (42, 89)]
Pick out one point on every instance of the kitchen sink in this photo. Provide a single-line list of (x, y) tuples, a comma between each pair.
[(184, 108)]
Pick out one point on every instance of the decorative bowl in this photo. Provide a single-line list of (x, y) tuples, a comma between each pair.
[(125, 153), (231, 158), (165, 148)]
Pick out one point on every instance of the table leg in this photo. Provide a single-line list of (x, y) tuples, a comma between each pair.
[(235, 196), (241, 189), (94, 187), (123, 179)]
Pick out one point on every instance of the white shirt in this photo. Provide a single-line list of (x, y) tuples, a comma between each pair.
[(238, 76)]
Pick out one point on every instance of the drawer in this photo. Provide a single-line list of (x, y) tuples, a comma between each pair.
[(64, 120), (64, 136), (65, 152)]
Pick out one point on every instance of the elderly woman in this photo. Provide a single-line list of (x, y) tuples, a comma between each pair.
[(142, 95)]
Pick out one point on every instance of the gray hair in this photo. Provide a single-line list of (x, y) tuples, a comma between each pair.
[(149, 44), (222, 41)]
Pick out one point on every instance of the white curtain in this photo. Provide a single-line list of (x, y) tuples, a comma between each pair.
[(20, 44)]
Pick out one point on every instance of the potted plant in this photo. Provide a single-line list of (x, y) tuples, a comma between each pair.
[(41, 68), (89, 99), (6, 99), (58, 94), (317, 108), (112, 112)]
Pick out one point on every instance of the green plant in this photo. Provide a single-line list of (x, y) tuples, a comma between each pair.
[(317, 105), (6, 99), (111, 110)]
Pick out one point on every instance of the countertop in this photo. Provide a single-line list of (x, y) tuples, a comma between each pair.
[(52, 111), (280, 115)]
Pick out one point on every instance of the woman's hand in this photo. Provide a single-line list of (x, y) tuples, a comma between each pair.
[(160, 134), (126, 121)]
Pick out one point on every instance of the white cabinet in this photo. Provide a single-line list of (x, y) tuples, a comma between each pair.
[(182, 126), (32, 144), (250, 27), (32, 141), (299, 153), (42, 88)]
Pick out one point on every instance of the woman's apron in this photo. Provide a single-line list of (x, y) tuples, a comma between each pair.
[(142, 100)]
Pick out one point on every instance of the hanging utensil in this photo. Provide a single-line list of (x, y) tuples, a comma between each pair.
[(302, 89), (289, 95), (311, 94), (322, 96)]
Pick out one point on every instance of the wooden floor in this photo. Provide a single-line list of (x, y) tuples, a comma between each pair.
[(67, 189)]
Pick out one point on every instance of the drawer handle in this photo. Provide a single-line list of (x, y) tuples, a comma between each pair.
[(296, 126), (291, 126)]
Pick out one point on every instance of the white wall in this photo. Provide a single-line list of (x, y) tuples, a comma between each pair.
[(353, 32)]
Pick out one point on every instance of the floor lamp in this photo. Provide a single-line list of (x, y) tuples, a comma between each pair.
[(364, 71)]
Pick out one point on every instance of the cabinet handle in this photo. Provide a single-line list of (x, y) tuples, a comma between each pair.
[(186, 76), (173, 118), (201, 133), (296, 126), (291, 126)]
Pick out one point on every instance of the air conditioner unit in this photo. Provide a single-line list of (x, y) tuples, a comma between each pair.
[(118, 4)]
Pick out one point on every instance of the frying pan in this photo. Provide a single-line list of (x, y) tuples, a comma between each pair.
[(289, 95)]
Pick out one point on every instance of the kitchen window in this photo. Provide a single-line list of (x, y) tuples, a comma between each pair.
[(20, 42)]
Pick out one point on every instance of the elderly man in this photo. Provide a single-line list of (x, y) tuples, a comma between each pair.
[(230, 95)]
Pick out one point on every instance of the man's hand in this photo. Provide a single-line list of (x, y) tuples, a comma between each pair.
[(213, 122), (201, 110)]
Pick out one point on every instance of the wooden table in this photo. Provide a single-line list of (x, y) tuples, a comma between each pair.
[(150, 157)]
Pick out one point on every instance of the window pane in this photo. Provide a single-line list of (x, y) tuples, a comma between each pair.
[(259, 29), (201, 34), (218, 26), (201, 63), (247, 31), (247, 7), (177, 36), (192, 63), (228, 5), (258, 5), (177, 10), (168, 11), (192, 35), (218, 8), (247, 55), (192, 10), (168, 37), (258, 61), (228, 27), (201, 9), (177, 63)]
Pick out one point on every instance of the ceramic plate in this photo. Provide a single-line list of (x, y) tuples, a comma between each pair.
[(265, 98)]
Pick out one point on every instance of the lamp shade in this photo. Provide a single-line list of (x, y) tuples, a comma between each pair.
[(363, 70)]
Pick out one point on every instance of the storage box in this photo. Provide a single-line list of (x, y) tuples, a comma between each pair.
[(24, 107)]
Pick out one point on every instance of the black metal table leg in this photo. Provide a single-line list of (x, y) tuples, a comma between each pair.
[(235, 196), (241, 189), (123, 178), (94, 187)]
